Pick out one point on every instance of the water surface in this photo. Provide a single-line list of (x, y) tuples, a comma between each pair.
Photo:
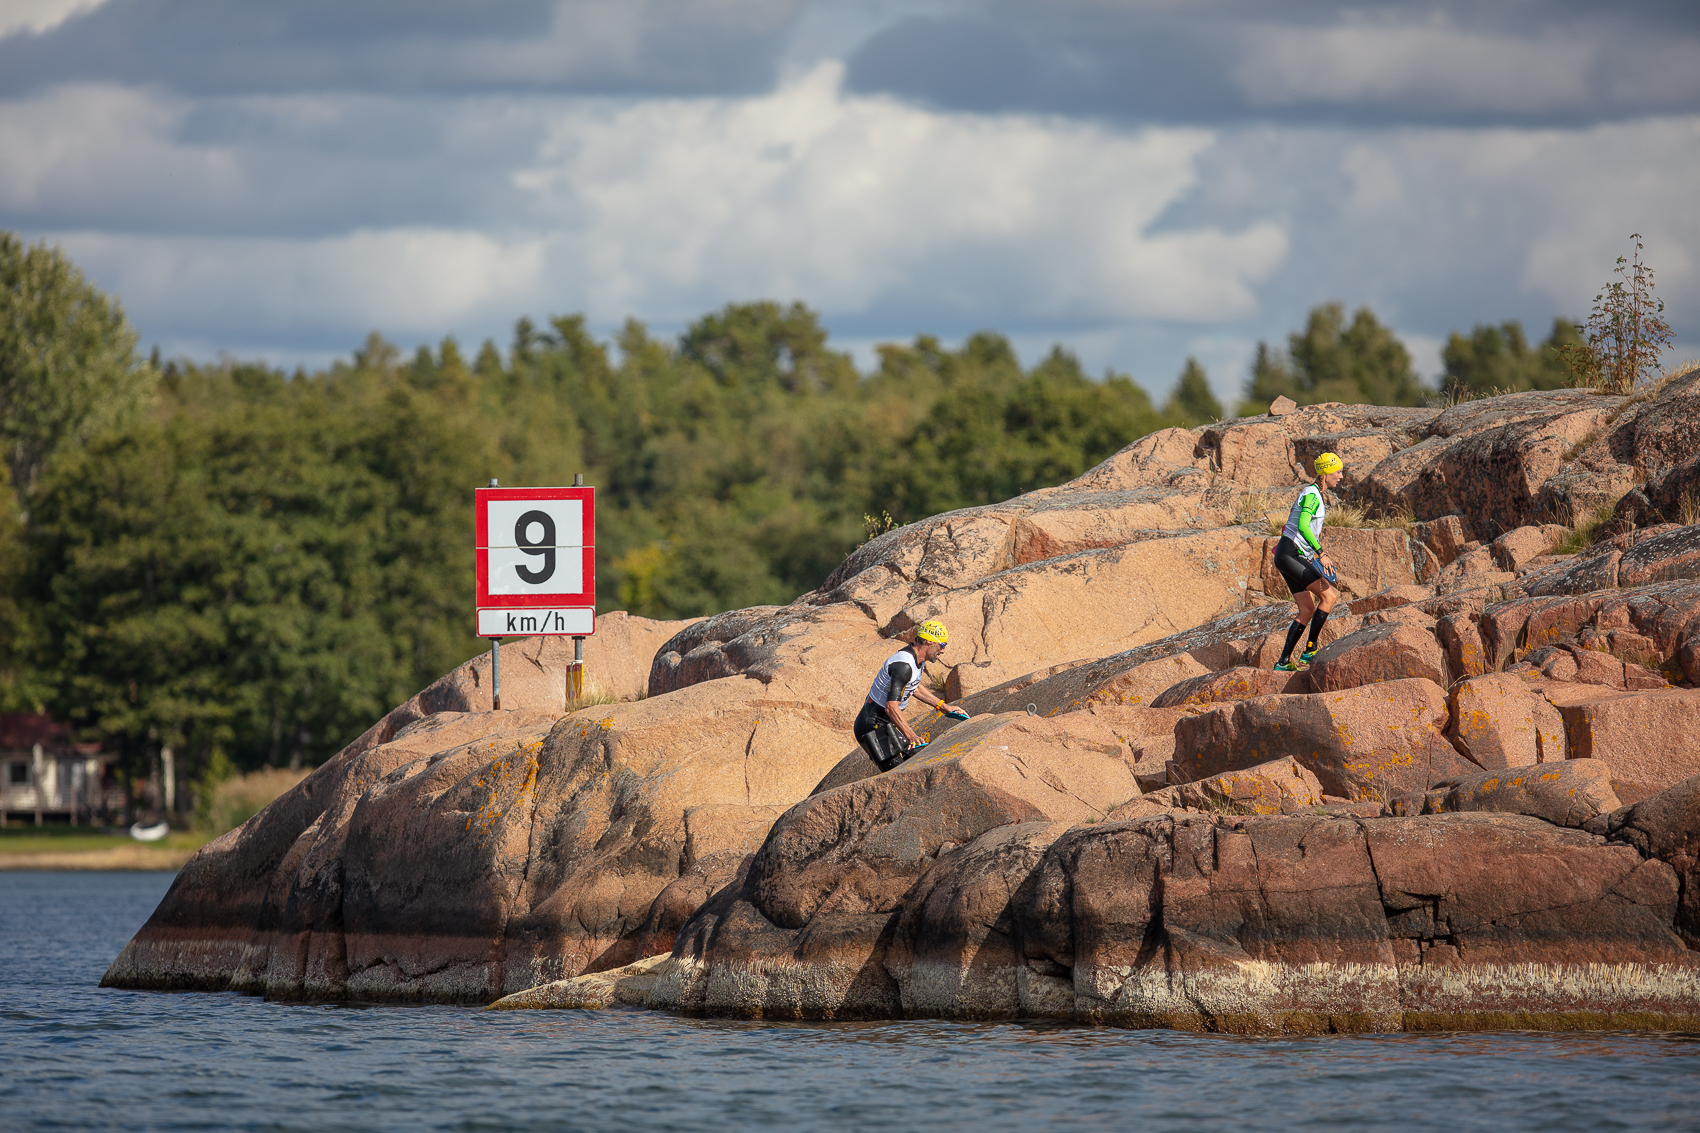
[(73, 1056)]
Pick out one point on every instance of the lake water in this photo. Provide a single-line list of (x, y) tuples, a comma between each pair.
[(73, 1056)]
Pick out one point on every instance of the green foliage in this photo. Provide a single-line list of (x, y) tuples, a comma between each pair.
[(993, 432), (266, 570), (1192, 404), (1627, 331), (262, 568), (1330, 361), (67, 359), (19, 689), (1499, 360), (225, 799)]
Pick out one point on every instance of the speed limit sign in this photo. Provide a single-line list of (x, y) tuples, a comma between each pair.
[(536, 561)]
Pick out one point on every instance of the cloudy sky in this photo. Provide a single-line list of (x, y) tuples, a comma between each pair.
[(1139, 180)]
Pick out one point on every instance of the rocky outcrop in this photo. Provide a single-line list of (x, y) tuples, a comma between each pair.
[(1219, 924), (558, 844), (1500, 721), (1567, 793), (1389, 651), (1239, 683), (807, 929), (262, 908), (1278, 787), (1665, 828), (1361, 743), (1646, 738), (1649, 436), (1664, 553), (1140, 822)]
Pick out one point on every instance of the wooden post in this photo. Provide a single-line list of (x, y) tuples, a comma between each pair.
[(168, 779), (37, 774), (575, 675)]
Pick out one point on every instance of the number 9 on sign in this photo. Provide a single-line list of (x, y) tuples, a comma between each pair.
[(535, 547), (542, 545)]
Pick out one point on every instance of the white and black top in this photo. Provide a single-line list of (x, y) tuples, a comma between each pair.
[(901, 670)]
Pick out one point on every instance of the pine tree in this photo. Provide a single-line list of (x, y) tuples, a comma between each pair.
[(1192, 403)]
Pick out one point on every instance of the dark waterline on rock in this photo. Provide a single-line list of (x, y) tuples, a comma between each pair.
[(78, 1057)]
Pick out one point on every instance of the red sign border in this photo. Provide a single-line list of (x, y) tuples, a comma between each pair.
[(483, 598)]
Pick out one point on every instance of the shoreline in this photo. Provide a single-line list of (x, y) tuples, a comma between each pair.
[(134, 858)]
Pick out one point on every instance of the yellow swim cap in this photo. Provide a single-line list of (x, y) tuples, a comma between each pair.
[(1327, 463), (933, 631)]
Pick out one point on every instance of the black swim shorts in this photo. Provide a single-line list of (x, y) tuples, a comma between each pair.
[(1295, 566)]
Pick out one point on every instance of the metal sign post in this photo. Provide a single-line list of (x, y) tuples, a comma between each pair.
[(575, 675), (535, 566)]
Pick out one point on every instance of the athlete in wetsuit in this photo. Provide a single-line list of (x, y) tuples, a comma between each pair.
[(880, 727), (1299, 558)]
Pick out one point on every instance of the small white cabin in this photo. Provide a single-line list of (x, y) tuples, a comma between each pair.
[(44, 777)]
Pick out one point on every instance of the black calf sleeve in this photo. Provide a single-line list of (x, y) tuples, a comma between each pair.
[(1316, 626), (1293, 633)]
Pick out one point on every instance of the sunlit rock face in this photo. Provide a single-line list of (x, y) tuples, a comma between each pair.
[(1475, 809)]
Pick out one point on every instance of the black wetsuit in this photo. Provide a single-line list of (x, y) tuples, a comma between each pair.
[(874, 728)]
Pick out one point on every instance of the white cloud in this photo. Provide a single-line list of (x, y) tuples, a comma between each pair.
[(40, 16), (660, 208), (863, 202), (300, 221), (81, 147), (419, 281)]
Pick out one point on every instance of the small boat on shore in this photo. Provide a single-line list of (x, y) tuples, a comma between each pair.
[(150, 833)]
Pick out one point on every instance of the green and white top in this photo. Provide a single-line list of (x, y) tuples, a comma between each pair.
[(1304, 522)]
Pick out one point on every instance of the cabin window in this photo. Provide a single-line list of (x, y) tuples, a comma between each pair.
[(18, 774)]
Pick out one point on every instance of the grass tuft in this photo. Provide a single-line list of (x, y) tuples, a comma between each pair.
[(592, 698), (1355, 515), (1583, 531), (1254, 508)]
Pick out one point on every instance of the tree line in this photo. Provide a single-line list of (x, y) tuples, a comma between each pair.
[(252, 565)]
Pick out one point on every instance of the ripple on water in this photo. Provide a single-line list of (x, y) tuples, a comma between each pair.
[(75, 1056)]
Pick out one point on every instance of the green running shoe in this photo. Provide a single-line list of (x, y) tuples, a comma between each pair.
[(1286, 667), (1308, 655)]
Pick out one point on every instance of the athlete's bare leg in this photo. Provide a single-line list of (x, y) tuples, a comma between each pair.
[(1307, 606)]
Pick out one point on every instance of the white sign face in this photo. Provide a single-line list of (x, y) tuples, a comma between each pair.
[(535, 546), (580, 620)]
